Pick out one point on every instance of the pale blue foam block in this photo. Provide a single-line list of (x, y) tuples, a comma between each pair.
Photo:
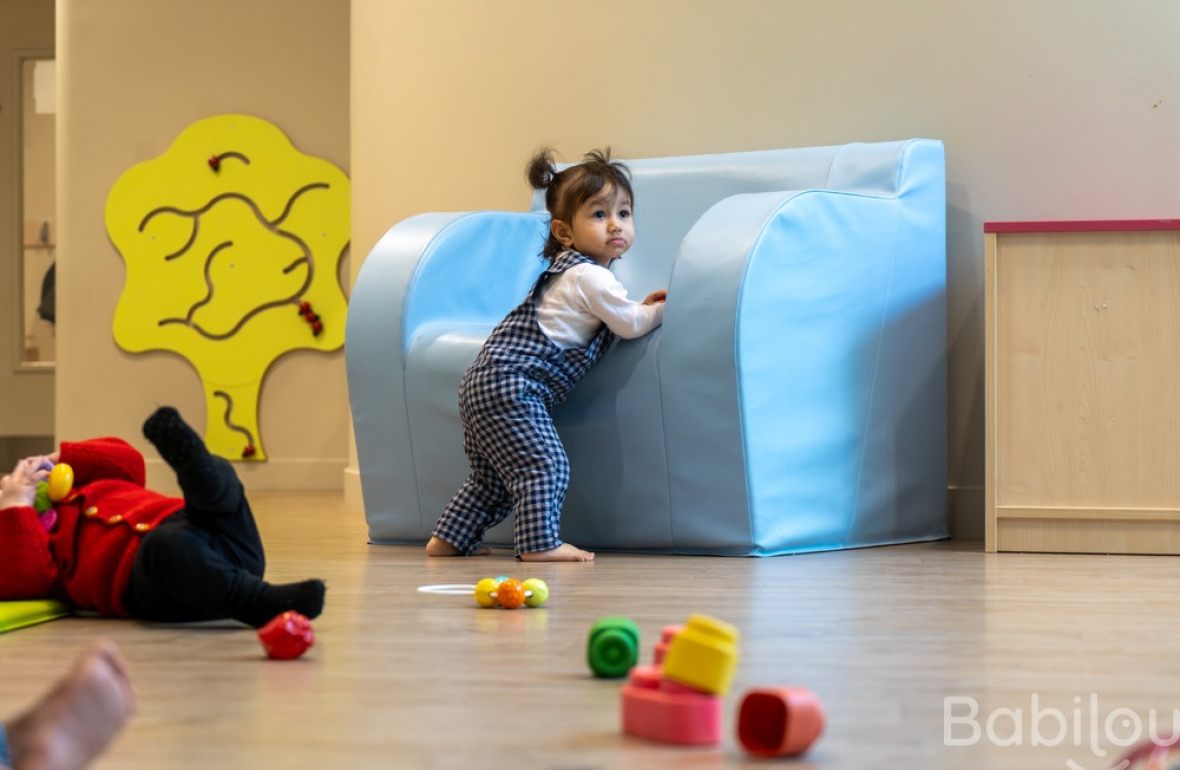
[(794, 399)]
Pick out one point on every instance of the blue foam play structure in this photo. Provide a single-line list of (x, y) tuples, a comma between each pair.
[(794, 399)]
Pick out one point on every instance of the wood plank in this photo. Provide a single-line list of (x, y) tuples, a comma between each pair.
[(1084, 514)]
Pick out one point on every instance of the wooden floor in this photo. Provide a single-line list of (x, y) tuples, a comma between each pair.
[(1074, 653)]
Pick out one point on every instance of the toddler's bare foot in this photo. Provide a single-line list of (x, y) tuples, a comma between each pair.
[(74, 722), (437, 547), (563, 552)]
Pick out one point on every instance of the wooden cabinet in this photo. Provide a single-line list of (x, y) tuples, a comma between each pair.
[(1083, 386)]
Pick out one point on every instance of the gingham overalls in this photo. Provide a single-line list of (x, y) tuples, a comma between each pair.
[(518, 464)]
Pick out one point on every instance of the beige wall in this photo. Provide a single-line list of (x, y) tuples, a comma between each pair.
[(26, 394), (1051, 109), (132, 75)]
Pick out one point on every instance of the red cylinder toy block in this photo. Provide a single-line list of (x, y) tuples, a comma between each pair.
[(779, 721)]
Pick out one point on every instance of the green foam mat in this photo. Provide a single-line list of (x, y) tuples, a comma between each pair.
[(18, 614)]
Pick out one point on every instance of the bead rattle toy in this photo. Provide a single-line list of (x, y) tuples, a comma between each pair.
[(501, 591), (58, 487)]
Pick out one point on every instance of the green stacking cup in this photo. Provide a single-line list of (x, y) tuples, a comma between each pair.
[(613, 647)]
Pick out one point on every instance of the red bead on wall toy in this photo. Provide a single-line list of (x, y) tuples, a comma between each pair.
[(311, 317)]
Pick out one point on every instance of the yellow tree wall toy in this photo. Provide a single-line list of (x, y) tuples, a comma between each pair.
[(232, 241)]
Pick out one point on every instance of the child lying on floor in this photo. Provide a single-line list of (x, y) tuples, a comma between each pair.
[(122, 550)]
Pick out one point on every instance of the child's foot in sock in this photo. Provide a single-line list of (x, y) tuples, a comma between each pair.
[(306, 598), (177, 443), (203, 481)]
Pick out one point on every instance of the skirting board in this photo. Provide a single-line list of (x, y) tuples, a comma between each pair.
[(1088, 535), (1088, 530)]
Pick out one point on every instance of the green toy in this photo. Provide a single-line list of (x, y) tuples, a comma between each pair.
[(27, 612), (613, 647)]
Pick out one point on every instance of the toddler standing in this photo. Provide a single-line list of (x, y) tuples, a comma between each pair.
[(536, 355)]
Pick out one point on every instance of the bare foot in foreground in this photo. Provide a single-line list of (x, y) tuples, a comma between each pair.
[(438, 547), (73, 723), (563, 552)]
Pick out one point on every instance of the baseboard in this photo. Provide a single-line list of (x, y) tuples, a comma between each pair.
[(270, 476)]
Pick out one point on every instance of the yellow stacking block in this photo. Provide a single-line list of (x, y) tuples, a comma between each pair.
[(703, 655)]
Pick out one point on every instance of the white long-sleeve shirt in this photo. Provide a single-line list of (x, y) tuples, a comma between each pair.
[(581, 298)]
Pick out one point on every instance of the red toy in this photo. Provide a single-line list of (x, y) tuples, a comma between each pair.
[(286, 636), (779, 721), (660, 705), (659, 709)]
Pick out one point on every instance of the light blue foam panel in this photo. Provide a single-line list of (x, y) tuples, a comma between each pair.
[(794, 399)]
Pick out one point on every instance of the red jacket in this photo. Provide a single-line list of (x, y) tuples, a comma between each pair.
[(86, 560)]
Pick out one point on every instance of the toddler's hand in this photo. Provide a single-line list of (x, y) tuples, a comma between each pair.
[(656, 296), (20, 486)]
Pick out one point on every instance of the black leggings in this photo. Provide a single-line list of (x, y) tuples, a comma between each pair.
[(204, 562)]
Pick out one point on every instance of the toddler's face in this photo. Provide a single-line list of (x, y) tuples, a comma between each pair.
[(603, 227)]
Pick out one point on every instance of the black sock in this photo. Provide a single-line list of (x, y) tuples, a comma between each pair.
[(197, 471), (177, 443), (306, 598)]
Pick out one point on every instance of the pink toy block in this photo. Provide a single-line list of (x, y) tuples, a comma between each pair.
[(779, 721), (647, 677), (672, 686), (677, 714), (665, 639)]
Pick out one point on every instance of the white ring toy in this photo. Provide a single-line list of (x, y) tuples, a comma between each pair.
[(453, 589)]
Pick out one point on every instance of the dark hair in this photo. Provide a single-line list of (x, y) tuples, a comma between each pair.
[(569, 188)]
